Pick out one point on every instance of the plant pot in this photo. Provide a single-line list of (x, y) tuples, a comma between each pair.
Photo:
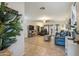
[(5, 52)]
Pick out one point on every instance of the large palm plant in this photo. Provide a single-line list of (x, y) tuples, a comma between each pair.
[(10, 26)]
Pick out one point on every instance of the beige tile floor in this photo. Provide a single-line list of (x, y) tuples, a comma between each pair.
[(36, 46)]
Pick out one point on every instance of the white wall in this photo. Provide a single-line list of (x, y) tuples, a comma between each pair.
[(18, 47)]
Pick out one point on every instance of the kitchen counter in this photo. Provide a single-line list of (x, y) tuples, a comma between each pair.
[(71, 48)]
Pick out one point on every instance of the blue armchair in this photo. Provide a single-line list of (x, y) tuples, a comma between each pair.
[(60, 38)]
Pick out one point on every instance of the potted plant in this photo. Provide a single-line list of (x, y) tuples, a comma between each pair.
[(10, 26)]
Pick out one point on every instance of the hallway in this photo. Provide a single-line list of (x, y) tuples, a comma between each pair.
[(36, 46)]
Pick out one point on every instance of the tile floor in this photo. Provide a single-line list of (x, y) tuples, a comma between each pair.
[(36, 46)]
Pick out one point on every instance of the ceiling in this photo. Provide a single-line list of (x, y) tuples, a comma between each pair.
[(53, 10)]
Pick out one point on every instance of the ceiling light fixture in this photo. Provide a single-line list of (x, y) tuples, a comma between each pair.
[(42, 8)]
